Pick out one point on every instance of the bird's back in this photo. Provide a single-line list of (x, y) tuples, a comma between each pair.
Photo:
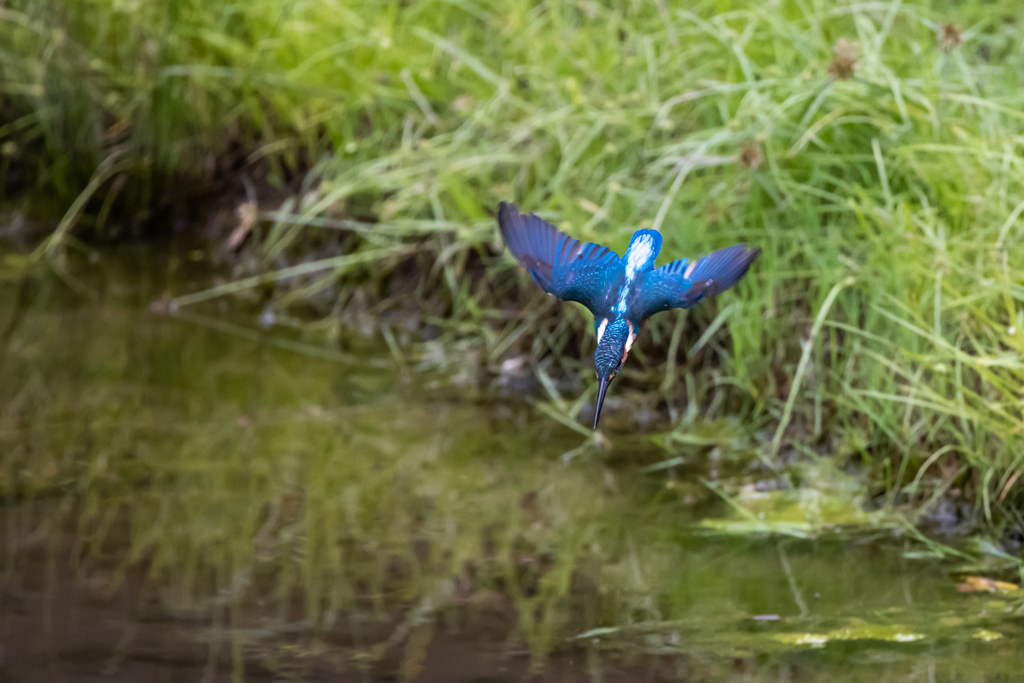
[(623, 278)]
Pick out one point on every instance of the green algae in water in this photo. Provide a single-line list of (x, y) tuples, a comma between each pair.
[(295, 507)]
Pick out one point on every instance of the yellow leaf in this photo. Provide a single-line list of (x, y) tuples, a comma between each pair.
[(987, 636), (973, 584)]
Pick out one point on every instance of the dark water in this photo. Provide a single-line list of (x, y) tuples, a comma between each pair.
[(192, 498)]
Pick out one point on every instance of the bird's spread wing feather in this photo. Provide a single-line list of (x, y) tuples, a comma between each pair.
[(682, 283), (561, 265)]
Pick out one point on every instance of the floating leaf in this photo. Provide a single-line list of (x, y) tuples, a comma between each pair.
[(812, 639), (987, 636), (802, 513), (974, 584), (858, 630)]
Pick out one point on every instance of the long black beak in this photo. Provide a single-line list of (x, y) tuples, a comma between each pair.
[(601, 391)]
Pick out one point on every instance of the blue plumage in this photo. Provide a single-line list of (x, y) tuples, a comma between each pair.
[(682, 283), (561, 265), (621, 292)]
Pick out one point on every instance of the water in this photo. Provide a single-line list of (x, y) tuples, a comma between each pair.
[(185, 502)]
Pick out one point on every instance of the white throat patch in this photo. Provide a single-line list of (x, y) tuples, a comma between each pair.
[(629, 341)]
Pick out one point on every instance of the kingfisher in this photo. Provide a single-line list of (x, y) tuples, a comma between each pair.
[(621, 291)]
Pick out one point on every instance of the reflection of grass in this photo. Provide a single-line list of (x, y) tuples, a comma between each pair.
[(868, 146), (244, 488), (272, 495)]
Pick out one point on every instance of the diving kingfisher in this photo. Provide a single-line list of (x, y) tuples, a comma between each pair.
[(621, 292)]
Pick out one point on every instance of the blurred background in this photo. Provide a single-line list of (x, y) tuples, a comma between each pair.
[(276, 404)]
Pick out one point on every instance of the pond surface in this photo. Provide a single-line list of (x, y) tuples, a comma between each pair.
[(191, 497)]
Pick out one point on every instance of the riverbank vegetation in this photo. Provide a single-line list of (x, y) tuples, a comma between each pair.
[(871, 149)]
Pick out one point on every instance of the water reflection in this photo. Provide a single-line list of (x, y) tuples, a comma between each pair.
[(184, 501)]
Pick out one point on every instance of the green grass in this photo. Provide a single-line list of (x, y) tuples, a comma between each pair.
[(883, 326)]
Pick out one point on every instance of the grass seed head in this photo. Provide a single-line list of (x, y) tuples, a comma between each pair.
[(844, 59), (951, 37), (751, 155)]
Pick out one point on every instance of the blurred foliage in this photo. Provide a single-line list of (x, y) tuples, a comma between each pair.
[(871, 149)]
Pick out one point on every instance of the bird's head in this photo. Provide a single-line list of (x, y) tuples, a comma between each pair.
[(613, 341)]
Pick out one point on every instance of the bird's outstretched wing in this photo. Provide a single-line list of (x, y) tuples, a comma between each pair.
[(561, 265), (682, 283)]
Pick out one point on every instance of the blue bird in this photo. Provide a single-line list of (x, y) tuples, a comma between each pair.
[(621, 292)]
